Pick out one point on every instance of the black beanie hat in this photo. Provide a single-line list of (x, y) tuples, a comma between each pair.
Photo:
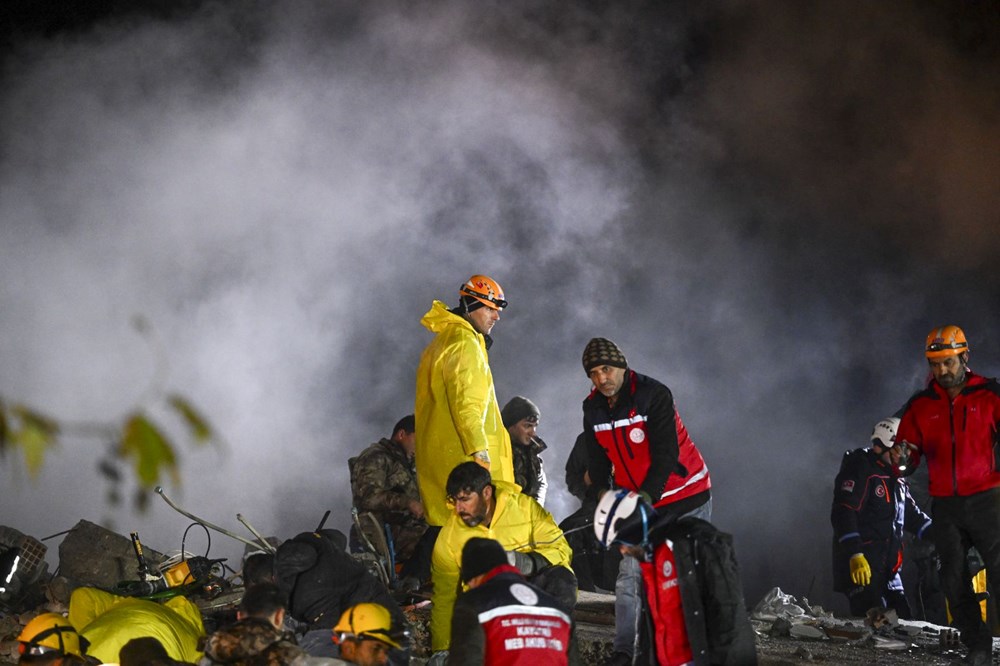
[(518, 408), (480, 556), (601, 351)]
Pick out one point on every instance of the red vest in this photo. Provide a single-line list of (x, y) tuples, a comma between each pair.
[(663, 592), (525, 634)]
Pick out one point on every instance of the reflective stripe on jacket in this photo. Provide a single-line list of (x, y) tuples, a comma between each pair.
[(645, 441), (456, 409)]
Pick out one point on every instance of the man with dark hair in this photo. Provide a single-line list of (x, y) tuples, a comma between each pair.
[(520, 417), (384, 483), (534, 543), (457, 415), (637, 441), (257, 636), (322, 580), (954, 423), (504, 619)]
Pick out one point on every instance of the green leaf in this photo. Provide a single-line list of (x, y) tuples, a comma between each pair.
[(36, 420), (149, 450), (34, 441), (200, 429)]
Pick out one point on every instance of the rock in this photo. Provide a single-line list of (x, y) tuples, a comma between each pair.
[(93, 556), (806, 631)]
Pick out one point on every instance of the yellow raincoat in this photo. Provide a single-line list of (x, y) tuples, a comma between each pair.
[(109, 621), (518, 521), (456, 409)]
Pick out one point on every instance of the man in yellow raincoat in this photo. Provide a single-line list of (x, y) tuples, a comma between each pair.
[(457, 415), (535, 545)]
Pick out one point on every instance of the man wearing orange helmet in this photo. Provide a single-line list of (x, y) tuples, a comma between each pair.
[(457, 415), (954, 423)]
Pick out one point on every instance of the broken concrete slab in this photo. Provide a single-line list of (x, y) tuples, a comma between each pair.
[(91, 555)]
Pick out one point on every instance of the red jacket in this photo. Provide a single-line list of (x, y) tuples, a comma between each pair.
[(958, 437), (645, 441), (507, 621)]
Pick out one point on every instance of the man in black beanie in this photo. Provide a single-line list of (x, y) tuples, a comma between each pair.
[(520, 417), (504, 619), (637, 441)]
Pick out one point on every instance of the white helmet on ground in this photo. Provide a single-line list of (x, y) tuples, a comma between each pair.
[(884, 434), (618, 512)]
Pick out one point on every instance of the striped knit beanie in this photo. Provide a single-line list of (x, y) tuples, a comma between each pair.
[(601, 351)]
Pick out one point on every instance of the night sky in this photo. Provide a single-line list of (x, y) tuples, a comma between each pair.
[(767, 205)]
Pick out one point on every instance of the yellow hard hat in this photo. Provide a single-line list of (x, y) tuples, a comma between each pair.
[(946, 341), (50, 633), (366, 621)]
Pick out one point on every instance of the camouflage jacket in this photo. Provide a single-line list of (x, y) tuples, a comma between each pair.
[(384, 481), (252, 642), (528, 470)]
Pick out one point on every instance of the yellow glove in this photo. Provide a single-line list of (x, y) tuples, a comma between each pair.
[(861, 573)]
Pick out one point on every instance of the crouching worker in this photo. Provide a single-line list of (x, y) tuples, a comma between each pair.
[(50, 640), (364, 634), (532, 540), (504, 619), (871, 508), (694, 610), (258, 635)]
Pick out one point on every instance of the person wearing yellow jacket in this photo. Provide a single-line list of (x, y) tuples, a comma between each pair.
[(457, 415), (529, 534)]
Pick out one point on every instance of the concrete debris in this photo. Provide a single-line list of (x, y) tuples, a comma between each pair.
[(777, 604), (93, 556), (781, 627), (876, 618), (883, 643), (807, 631)]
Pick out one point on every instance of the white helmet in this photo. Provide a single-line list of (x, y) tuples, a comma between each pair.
[(617, 511), (884, 434)]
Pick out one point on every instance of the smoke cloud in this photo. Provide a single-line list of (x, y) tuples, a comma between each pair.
[(765, 204)]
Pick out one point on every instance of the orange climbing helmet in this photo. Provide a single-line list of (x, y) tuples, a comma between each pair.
[(484, 289), (946, 341)]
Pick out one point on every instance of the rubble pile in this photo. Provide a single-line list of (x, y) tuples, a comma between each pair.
[(793, 631)]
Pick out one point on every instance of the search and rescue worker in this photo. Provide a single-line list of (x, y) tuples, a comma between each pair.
[(457, 415), (529, 534), (520, 417), (954, 424), (50, 640), (872, 506), (637, 441), (502, 619), (365, 636)]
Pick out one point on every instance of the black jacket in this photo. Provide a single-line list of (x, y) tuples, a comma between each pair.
[(322, 581), (716, 618), (871, 508)]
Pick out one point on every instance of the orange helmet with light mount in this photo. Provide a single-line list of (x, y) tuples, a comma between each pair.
[(484, 289), (945, 341)]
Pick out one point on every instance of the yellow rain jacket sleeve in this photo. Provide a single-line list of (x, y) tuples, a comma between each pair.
[(519, 522), (456, 409), (109, 621)]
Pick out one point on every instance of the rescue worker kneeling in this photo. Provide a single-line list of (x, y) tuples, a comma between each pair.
[(50, 640), (693, 592), (504, 619), (530, 536), (364, 634)]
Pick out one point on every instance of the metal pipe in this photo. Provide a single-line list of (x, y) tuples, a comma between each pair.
[(159, 491), (263, 542)]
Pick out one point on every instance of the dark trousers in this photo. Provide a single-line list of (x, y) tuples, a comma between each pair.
[(961, 522), (884, 591)]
